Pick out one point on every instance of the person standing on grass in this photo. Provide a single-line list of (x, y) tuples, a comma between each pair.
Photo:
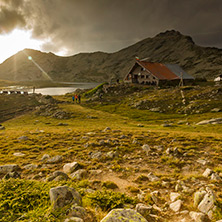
[(76, 98), (79, 99), (73, 99)]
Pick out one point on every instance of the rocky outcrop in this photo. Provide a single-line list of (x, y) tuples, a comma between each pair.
[(119, 215)]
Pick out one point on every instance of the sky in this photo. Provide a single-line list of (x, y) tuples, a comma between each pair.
[(68, 27)]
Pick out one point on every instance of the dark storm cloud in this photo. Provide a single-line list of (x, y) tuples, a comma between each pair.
[(10, 16), (91, 25)]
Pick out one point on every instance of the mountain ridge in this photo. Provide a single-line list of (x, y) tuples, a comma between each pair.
[(166, 47)]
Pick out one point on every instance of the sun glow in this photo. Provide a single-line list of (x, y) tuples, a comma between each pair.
[(16, 41)]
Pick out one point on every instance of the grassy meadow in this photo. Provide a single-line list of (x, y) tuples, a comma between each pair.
[(123, 176)]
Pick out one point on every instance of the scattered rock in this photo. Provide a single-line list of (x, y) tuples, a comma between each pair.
[(74, 219), (216, 110), (96, 155), (62, 124), (106, 129), (144, 210), (18, 154), (30, 166), (45, 157), (79, 174), (208, 202), (197, 216), (14, 175), (23, 138), (203, 162), (79, 212), (63, 195), (174, 196), (2, 127), (70, 167), (120, 215), (58, 176), (210, 121), (207, 172), (112, 154), (146, 148), (175, 206), (215, 176), (152, 177), (198, 196), (4, 169), (55, 159)]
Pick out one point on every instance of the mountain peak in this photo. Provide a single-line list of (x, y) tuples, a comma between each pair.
[(174, 34)]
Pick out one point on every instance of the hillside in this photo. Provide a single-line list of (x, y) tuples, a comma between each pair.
[(139, 149), (167, 47)]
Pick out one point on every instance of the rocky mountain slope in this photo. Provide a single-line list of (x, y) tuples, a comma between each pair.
[(167, 47)]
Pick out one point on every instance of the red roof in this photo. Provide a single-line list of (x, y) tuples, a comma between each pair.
[(159, 70)]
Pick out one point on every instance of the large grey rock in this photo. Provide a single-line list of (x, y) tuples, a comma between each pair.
[(14, 175), (174, 196), (198, 217), (175, 206), (58, 176), (215, 176), (30, 166), (144, 210), (198, 197), (63, 195), (70, 167), (208, 202), (207, 172), (120, 215), (9, 168), (79, 174), (55, 159), (78, 211)]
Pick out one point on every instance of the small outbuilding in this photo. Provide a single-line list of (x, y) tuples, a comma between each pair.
[(152, 73)]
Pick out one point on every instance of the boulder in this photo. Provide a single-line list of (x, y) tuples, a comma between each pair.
[(58, 176), (144, 210), (120, 215), (70, 167), (207, 172), (80, 212), (175, 206), (198, 196), (30, 166), (14, 175), (55, 159), (63, 195), (174, 196), (197, 216), (4, 169), (79, 174), (207, 203)]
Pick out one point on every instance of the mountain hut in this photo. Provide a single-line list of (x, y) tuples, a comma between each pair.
[(151, 73)]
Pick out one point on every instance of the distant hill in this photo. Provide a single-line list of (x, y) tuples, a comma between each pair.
[(167, 47)]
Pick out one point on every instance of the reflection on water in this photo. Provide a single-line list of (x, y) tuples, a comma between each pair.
[(58, 90)]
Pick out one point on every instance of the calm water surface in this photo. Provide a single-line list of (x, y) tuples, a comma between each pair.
[(63, 90)]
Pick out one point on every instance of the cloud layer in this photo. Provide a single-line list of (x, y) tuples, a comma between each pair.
[(92, 25)]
